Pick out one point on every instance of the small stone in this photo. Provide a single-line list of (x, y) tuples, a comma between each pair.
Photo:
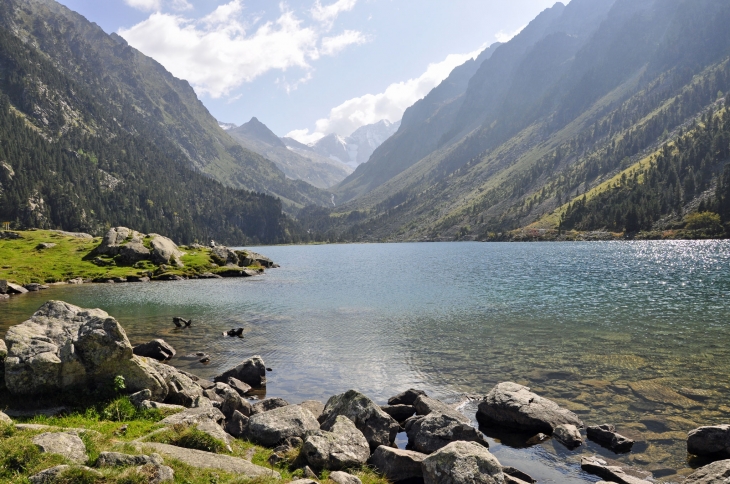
[(568, 435), (537, 439), (344, 478), (607, 436), (308, 472)]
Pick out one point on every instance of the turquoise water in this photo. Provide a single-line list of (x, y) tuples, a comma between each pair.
[(630, 333)]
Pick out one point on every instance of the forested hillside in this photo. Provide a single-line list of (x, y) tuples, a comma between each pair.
[(76, 156), (585, 94)]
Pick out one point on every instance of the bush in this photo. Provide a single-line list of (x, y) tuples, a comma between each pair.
[(119, 410), (704, 221)]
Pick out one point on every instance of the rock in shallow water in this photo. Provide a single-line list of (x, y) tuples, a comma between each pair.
[(251, 371), (157, 349), (568, 435), (607, 436), (712, 440)]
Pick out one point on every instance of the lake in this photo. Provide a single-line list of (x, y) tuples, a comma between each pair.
[(630, 333)]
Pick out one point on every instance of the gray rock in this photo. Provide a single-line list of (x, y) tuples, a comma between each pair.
[(133, 252), (208, 460), (399, 412), (64, 347), (513, 480), (223, 256), (113, 240), (212, 428), (510, 471), (236, 425), (157, 349), (213, 396), (116, 459), (462, 463), (515, 406), (35, 287), (49, 476), (270, 428), (148, 405), (378, 427), (232, 402), (398, 465), (715, 473), (606, 436), (713, 440), (139, 397), (568, 435), (251, 371), (66, 444), (341, 447), (407, 397), (45, 245), (313, 406), (192, 416), (261, 259), (431, 432), (425, 405), (309, 473), (600, 468), (15, 289), (3, 350), (181, 389), (344, 478), (164, 250), (268, 404), (4, 419), (158, 473), (242, 388), (3, 286)]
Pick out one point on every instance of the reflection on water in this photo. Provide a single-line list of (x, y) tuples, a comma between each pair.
[(628, 333)]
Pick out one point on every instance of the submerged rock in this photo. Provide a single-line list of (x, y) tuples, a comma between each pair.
[(607, 436), (512, 405), (462, 463)]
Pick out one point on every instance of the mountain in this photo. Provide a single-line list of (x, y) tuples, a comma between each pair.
[(310, 167), (227, 126), (164, 105), (359, 146), (591, 99), (93, 134)]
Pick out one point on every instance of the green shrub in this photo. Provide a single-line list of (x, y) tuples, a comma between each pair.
[(119, 410), (704, 221), (189, 437)]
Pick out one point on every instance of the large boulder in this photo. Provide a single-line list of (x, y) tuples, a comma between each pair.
[(378, 427), (133, 251), (4, 419), (157, 349), (462, 463), (164, 250), (407, 397), (232, 401), (268, 404), (270, 428), (715, 473), (181, 389), (251, 371), (224, 256), (431, 432), (65, 347), (513, 405), (425, 405), (67, 444), (713, 440), (398, 466), (113, 241), (342, 447)]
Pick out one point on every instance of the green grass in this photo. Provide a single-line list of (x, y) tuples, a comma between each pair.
[(189, 437), (72, 258)]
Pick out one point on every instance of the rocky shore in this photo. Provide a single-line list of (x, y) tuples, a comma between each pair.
[(65, 349), (31, 260)]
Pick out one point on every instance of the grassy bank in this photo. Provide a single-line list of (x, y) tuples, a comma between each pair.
[(22, 261)]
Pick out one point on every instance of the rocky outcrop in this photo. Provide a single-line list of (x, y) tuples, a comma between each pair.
[(713, 440), (157, 349), (715, 473), (65, 347), (270, 428), (513, 405), (223, 256), (67, 444), (114, 239), (606, 436), (251, 371), (431, 432), (232, 401), (462, 463), (341, 447), (398, 466), (568, 435), (407, 397), (378, 427), (241, 387), (194, 416), (128, 247)]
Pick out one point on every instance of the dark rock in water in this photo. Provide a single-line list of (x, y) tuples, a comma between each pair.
[(407, 397), (431, 432), (399, 412), (138, 279), (568, 435), (270, 428), (606, 436), (378, 427), (157, 349), (269, 404), (341, 447), (269, 369), (181, 322), (713, 440), (518, 474), (513, 405), (235, 332), (462, 463), (537, 439), (715, 473), (205, 359), (398, 466), (613, 473), (241, 387), (251, 371), (35, 287), (3, 286)]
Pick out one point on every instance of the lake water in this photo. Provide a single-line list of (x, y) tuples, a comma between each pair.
[(630, 333)]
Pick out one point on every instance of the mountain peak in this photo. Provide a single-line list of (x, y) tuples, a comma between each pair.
[(258, 131)]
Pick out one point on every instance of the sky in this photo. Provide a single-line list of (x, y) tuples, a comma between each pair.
[(309, 68)]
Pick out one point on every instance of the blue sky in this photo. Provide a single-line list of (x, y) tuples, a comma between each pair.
[(310, 67)]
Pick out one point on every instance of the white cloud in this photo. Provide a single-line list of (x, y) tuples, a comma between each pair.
[(503, 36), (156, 5), (328, 14), (389, 104), (217, 54)]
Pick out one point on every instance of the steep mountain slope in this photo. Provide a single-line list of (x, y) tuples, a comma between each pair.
[(165, 106), (357, 148), (75, 156), (585, 91), (316, 170)]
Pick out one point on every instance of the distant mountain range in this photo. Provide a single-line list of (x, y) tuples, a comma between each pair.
[(357, 148)]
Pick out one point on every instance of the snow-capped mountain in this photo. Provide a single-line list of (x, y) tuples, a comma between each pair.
[(227, 126), (356, 148)]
